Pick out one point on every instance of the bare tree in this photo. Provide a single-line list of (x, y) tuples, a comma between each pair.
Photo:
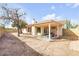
[(5, 13), (13, 15)]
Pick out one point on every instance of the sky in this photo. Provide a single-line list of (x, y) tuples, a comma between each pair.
[(44, 11)]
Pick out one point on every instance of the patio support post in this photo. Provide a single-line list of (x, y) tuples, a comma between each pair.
[(42, 30), (33, 30), (58, 31), (49, 31)]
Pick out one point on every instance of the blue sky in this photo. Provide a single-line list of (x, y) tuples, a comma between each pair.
[(43, 11)]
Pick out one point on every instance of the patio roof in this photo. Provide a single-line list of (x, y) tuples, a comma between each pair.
[(46, 22)]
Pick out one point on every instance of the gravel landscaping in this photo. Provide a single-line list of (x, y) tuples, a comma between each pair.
[(56, 48), (12, 45)]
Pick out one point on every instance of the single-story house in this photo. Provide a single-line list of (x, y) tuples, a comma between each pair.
[(50, 28)]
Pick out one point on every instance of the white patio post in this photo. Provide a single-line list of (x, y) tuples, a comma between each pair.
[(33, 30), (42, 30), (58, 31), (49, 32)]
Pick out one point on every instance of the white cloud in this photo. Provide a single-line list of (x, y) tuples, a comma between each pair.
[(59, 17), (75, 5), (72, 5), (53, 7), (52, 16), (49, 16), (69, 4)]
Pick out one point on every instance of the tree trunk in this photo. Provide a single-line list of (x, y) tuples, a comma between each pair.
[(18, 32)]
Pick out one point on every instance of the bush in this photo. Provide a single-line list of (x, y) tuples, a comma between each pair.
[(1, 31)]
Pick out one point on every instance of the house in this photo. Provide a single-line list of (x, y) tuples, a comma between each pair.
[(49, 28)]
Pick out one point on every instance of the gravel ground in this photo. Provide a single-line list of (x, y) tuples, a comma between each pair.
[(12, 46), (55, 48), (26, 45)]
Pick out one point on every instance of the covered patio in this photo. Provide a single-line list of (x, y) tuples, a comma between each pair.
[(51, 29)]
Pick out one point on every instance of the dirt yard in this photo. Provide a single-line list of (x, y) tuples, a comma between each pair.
[(12, 46), (58, 47), (25, 45)]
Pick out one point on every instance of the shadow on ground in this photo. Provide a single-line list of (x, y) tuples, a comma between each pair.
[(12, 46)]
